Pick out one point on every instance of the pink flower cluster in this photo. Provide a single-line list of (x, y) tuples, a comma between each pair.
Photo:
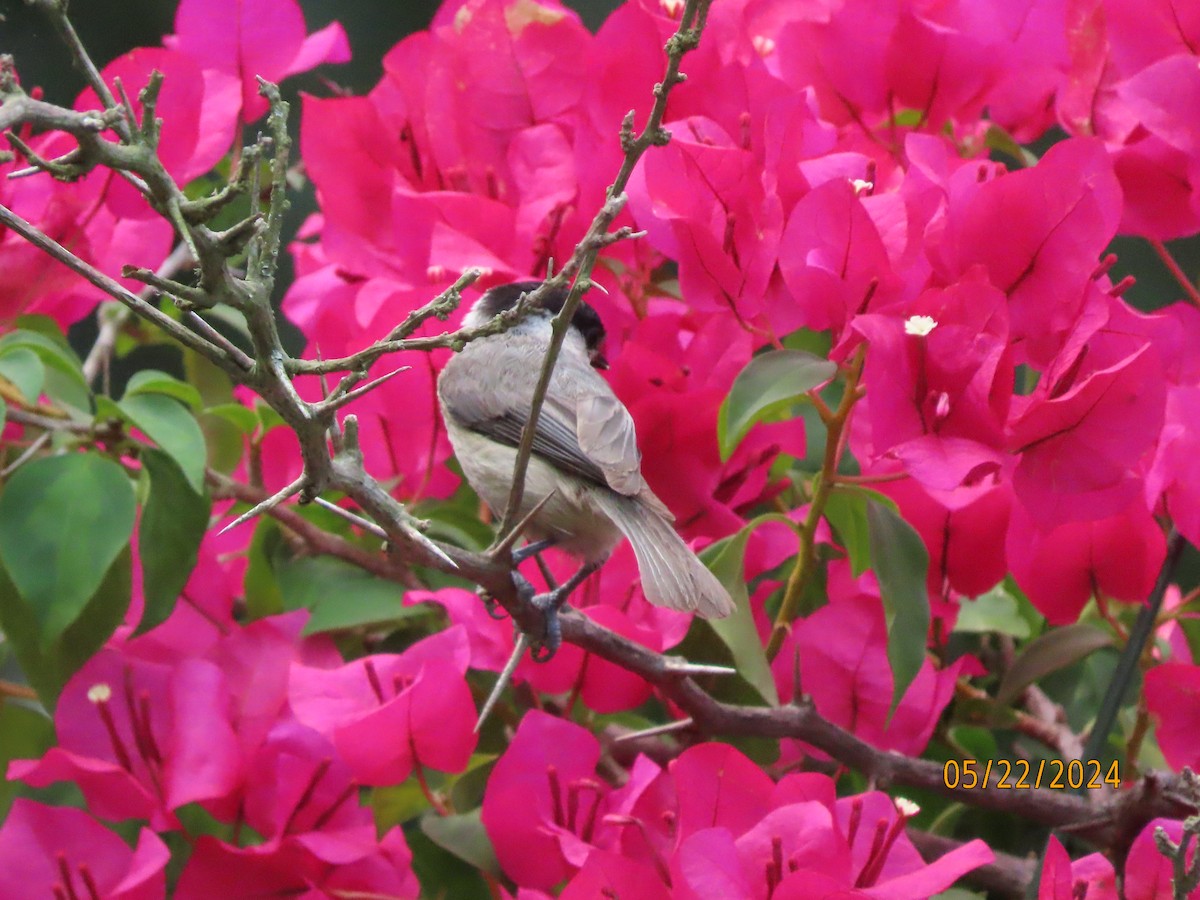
[(710, 824), (271, 734)]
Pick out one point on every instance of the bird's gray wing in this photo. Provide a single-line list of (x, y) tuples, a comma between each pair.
[(582, 428), (502, 418), (606, 434)]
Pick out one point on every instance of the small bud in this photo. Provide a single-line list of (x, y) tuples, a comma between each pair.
[(942, 408), (919, 325), (763, 45)]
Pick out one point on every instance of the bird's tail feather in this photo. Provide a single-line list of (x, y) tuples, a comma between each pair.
[(672, 576)]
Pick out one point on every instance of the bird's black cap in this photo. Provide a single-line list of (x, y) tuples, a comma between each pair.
[(586, 319)]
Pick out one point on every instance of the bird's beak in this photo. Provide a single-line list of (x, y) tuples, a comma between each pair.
[(599, 362)]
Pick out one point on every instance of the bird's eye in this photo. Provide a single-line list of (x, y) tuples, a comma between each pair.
[(597, 358)]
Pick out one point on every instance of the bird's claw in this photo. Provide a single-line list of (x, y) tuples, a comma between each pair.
[(491, 605), (525, 591), (543, 649)]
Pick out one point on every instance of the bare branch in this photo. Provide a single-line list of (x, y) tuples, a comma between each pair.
[(112, 322), (440, 307), (316, 539), (56, 11), (114, 289), (336, 401)]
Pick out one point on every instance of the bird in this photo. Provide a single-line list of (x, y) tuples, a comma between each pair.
[(585, 467)]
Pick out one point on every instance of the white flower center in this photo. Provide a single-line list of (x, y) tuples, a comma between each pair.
[(99, 693), (919, 325)]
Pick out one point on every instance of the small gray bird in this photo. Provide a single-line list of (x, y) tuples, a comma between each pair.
[(585, 453)]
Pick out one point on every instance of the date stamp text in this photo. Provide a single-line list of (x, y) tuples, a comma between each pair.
[(1021, 774)]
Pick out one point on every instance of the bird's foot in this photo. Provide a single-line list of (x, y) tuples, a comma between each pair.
[(544, 644), (543, 649)]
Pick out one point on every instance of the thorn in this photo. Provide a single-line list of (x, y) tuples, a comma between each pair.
[(429, 545), (502, 549), (669, 728), (677, 665), (522, 644), (601, 288), (365, 524), (294, 488), (359, 391), (370, 527)]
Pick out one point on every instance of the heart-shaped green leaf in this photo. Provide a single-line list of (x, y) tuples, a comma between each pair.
[(174, 520), (172, 426), (769, 381), (63, 520)]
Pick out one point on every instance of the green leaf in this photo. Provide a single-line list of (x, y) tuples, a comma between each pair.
[(846, 510), (3, 413), (244, 418), (63, 520), (737, 631), (900, 561), (997, 138), (261, 586), (100, 617), (995, 611), (224, 443), (441, 873), (173, 524), (466, 790), (465, 837), (395, 804), (25, 733), (340, 595), (48, 664), (24, 370), (211, 382), (1054, 650), (170, 425), (64, 375), (769, 382), (151, 381)]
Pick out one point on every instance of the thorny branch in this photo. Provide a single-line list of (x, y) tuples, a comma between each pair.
[(1109, 823)]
